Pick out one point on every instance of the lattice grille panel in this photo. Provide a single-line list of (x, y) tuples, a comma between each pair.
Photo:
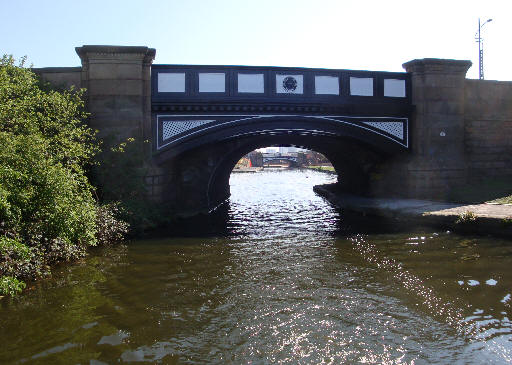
[(175, 127), (393, 128)]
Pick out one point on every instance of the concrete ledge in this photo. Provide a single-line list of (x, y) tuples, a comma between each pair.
[(486, 219)]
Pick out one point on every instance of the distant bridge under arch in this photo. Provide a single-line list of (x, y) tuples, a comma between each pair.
[(292, 158)]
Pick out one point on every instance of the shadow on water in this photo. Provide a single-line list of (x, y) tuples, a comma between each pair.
[(222, 222)]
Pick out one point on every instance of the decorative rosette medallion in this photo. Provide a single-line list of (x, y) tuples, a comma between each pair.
[(290, 84)]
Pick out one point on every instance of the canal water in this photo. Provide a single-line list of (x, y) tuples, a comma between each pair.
[(277, 276)]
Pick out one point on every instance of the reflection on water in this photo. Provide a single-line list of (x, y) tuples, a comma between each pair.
[(290, 280)]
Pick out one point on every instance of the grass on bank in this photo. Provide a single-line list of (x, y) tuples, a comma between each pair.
[(504, 200), (322, 168)]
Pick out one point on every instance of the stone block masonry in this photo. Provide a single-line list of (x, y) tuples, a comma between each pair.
[(117, 80), (488, 129), (118, 83), (437, 162), (61, 77)]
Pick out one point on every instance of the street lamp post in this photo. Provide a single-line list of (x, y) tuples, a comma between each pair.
[(481, 49)]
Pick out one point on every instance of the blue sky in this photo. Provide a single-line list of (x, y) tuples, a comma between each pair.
[(369, 35)]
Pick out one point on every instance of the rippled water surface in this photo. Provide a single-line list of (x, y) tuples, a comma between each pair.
[(283, 278)]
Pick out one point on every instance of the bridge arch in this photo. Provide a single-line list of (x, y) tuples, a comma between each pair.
[(177, 134), (201, 174), (353, 161)]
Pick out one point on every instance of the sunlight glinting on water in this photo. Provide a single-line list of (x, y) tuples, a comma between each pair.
[(448, 311), (437, 307), (290, 280)]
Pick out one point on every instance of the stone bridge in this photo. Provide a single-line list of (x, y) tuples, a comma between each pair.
[(418, 134)]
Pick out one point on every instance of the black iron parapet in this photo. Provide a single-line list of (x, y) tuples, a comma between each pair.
[(179, 86), (188, 101)]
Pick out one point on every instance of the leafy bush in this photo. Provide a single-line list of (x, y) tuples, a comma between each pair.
[(466, 217), (47, 210), (42, 197), (13, 248), (110, 229), (17, 259), (11, 286)]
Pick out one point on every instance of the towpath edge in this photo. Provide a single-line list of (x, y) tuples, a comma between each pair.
[(488, 219)]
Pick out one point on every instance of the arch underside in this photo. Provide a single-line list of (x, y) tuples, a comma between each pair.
[(176, 134)]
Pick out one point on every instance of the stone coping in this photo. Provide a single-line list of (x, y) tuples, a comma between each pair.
[(56, 69), (437, 65), (115, 49)]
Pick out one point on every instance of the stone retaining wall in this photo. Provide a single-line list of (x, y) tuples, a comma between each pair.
[(61, 77), (488, 128)]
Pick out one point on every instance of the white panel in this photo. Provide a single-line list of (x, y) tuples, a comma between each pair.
[(251, 83), (361, 86), (327, 85), (175, 127), (289, 84), (212, 82), (171, 82), (394, 88)]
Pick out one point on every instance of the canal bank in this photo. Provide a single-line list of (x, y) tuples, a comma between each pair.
[(485, 219), (247, 169)]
